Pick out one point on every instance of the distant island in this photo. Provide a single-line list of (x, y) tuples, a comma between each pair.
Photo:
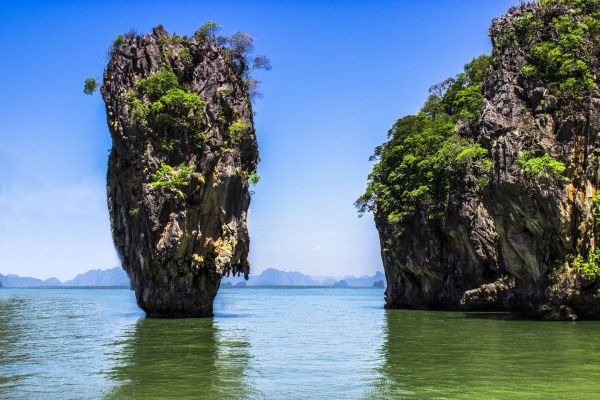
[(270, 277)]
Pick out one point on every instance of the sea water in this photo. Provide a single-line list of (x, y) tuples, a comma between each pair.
[(284, 344)]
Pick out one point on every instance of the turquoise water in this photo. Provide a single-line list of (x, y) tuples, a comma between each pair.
[(284, 344)]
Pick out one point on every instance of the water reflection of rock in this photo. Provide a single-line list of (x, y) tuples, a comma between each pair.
[(439, 355), (434, 355), (181, 358)]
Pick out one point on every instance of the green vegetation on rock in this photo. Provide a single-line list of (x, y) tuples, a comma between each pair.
[(119, 41), (162, 104), (596, 209), (200, 139), (237, 130), (172, 177), (542, 167), (177, 109), (425, 157), (157, 84), (589, 266), (138, 110), (562, 62), (252, 177), (521, 31), (461, 97), (116, 45), (184, 55), (168, 145)]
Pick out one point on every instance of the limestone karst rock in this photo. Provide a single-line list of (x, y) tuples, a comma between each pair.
[(183, 152), (525, 238)]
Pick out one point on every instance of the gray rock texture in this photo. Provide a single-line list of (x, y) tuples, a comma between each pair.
[(508, 246), (178, 190)]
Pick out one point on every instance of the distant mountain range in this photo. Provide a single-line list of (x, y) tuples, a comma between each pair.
[(365, 280), (275, 277), (96, 277), (269, 277), (18, 281)]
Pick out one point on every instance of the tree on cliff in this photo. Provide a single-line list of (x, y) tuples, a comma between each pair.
[(425, 157)]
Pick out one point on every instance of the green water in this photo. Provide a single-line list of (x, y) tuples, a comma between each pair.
[(284, 344)]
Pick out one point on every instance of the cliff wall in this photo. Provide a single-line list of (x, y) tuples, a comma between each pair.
[(501, 212)]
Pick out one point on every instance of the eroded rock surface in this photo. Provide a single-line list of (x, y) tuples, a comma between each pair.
[(184, 148)]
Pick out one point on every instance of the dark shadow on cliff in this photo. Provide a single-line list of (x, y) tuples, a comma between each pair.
[(181, 358)]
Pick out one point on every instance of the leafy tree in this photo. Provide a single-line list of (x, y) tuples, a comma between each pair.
[(161, 103), (177, 109), (241, 46), (208, 31), (158, 84), (463, 97), (424, 158), (261, 62), (90, 86)]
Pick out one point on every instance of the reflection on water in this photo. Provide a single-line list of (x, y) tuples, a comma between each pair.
[(184, 358), (284, 344), (439, 355)]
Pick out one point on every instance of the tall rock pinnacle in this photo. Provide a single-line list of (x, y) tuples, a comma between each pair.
[(183, 154)]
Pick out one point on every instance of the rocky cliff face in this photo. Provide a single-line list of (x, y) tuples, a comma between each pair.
[(525, 239), (184, 149)]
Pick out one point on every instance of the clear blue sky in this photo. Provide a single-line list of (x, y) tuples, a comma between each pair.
[(343, 72)]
